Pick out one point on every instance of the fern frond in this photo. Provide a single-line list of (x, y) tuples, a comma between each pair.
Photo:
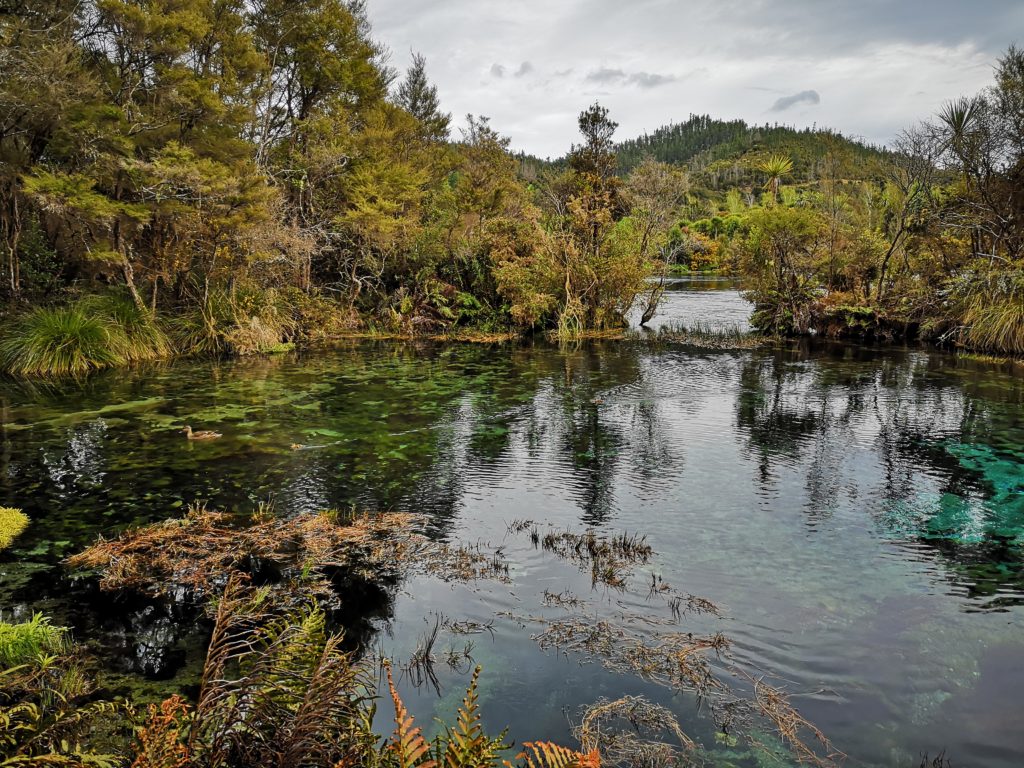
[(466, 745), (407, 744), (545, 754), (160, 740)]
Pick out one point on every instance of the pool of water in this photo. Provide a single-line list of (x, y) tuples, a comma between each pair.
[(701, 301), (858, 515)]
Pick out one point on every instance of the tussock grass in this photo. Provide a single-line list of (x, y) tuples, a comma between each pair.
[(995, 325), (96, 332), (60, 341), (140, 337)]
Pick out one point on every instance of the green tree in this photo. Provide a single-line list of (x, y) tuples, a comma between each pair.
[(776, 167), (419, 98), (782, 255)]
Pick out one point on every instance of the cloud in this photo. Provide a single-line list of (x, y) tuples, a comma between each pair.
[(652, 62), (524, 69), (608, 76), (650, 79), (804, 97)]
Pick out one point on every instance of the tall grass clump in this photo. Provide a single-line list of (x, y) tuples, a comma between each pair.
[(141, 337), (60, 341), (30, 641), (993, 313), (263, 320), (12, 523), (246, 321)]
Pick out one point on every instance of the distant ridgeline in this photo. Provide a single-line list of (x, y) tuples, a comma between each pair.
[(722, 152)]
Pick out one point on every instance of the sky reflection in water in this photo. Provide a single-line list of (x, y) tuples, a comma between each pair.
[(858, 513)]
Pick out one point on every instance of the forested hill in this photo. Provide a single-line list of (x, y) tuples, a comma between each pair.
[(719, 149)]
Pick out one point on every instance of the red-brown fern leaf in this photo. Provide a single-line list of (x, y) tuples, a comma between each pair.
[(161, 743), (545, 754), (407, 743)]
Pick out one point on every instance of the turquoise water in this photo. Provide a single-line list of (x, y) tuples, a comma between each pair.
[(858, 515)]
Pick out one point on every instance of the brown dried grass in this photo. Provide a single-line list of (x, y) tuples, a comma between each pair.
[(632, 731), (199, 552), (793, 728)]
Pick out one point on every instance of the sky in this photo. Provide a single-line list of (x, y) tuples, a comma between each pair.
[(867, 68)]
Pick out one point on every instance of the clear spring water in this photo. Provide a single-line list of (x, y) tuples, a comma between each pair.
[(858, 514)]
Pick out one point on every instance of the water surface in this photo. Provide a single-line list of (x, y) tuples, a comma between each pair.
[(857, 513)]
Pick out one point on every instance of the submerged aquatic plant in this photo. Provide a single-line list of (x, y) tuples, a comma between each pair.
[(12, 523)]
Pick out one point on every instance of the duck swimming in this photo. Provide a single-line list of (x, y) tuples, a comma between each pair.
[(201, 435)]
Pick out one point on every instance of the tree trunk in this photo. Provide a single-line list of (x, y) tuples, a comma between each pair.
[(129, 279)]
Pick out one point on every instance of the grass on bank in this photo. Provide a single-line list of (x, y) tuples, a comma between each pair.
[(110, 329), (30, 641), (60, 341)]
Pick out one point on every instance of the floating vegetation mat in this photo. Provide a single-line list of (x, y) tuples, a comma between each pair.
[(198, 553), (632, 731), (676, 660), (709, 337)]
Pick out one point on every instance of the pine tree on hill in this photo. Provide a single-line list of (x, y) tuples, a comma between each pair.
[(419, 97)]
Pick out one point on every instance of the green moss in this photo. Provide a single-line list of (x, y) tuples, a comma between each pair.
[(12, 523)]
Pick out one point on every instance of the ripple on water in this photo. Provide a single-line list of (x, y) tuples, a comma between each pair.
[(855, 512)]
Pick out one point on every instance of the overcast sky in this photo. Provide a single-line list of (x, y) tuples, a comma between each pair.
[(864, 67)]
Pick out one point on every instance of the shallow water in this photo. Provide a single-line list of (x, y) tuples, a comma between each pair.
[(701, 301), (857, 513)]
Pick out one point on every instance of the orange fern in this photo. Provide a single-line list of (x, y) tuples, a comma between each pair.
[(160, 739), (545, 754), (407, 745)]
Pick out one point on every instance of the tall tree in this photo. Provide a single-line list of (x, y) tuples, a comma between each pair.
[(419, 98)]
